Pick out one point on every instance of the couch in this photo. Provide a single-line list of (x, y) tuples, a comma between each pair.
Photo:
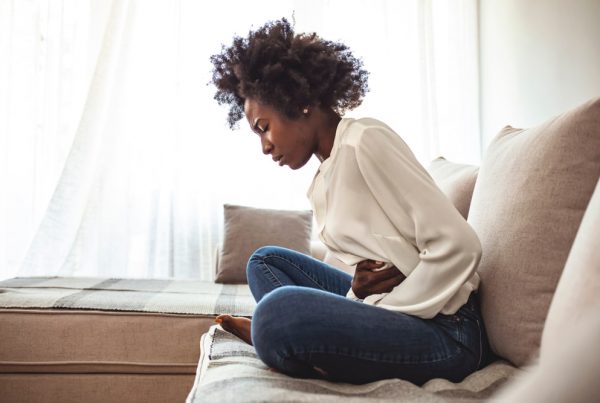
[(535, 204)]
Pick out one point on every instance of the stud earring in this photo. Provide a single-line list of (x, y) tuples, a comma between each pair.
[(305, 110)]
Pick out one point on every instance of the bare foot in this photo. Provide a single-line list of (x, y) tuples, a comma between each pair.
[(237, 325)]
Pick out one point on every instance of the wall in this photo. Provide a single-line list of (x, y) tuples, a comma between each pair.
[(537, 59)]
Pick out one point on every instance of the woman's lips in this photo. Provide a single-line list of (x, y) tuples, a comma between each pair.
[(278, 159)]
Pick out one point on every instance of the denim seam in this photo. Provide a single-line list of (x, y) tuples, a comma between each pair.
[(480, 344), (460, 328), (266, 266), (295, 265), (285, 356)]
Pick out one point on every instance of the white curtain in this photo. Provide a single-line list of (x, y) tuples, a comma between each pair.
[(115, 159)]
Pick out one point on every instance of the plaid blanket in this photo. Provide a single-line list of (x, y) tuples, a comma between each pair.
[(230, 371), (113, 294)]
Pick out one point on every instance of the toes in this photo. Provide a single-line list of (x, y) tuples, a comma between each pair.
[(227, 323), (223, 318), (236, 326)]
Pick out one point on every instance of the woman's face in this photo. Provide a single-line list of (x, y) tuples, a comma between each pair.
[(289, 142)]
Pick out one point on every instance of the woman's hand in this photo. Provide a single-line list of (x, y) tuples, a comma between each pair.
[(366, 281)]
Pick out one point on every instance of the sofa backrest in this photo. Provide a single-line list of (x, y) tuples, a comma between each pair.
[(577, 296), (531, 192), (569, 366)]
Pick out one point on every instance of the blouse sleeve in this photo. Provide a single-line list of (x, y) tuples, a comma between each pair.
[(449, 249)]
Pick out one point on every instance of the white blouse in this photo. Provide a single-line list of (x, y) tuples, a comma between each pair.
[(373, 200)]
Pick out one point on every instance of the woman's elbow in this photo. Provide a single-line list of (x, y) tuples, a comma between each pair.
[(468, 245), (471, 247)]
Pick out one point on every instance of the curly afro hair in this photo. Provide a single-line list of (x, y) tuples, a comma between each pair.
[(287, 71)]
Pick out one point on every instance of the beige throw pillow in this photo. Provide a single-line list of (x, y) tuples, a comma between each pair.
[(456, 181), (531, 192), (247, 229)]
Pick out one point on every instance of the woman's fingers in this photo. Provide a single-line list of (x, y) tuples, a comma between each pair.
[(387, 285), (387, 277), (366, 282), (369, 265), (385, 274)]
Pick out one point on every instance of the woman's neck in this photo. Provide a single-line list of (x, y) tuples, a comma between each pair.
[(328, 123)]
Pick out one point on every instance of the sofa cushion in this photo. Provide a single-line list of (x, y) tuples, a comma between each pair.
[(248, 228), (187, 296), (83, 325), (457, 181), (77, 341), (577, 296), (94, 387), (230, 370), (532, 190)]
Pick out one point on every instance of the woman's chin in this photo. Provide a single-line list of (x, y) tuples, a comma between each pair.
[(294, 166)]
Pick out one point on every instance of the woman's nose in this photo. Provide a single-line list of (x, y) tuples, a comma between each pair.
[(267, 147)]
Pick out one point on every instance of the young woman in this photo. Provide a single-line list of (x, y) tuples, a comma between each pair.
[(410, 311)]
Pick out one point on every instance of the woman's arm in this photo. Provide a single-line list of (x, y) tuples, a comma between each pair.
[(368, 281), (449, 249)]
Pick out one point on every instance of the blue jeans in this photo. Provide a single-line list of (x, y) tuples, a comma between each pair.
[(303, 320)]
